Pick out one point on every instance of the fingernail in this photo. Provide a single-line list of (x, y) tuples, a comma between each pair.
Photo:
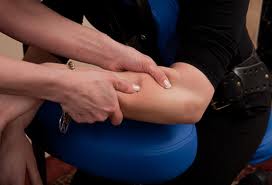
[(167, 84), (136, 87)]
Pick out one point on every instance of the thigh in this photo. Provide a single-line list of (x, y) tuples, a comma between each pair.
[(226, 142)]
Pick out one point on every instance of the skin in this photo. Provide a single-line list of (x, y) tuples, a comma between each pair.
[(185, 102), (14, 142)]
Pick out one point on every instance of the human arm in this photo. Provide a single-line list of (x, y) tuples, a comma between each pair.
[(185, 102), (37, 25)]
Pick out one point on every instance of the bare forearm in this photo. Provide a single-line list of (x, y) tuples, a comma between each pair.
[(35, 24), (156, 105), (26, 79), (185, 102)]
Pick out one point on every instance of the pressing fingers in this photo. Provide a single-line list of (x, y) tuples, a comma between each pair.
[(158, 75), (117, 116), (124, 86)]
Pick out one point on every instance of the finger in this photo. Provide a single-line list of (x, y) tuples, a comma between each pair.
[(124, 86), (33, 173), (27, 180), (20, 178), (157, 74), (117, 117)]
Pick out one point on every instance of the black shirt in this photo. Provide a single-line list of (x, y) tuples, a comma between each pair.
[(212, 34)]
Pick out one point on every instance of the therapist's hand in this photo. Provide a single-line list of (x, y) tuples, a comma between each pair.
[(91, 95), (129, 59)]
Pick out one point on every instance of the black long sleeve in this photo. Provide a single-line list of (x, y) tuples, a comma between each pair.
[(212, 33)]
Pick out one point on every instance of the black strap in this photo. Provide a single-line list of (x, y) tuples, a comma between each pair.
[(242, 86)]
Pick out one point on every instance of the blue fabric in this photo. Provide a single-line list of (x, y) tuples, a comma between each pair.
[(165, 14), (134, 152), (264, 151)]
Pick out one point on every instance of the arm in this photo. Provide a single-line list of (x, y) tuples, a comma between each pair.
[(27, 79), (37, 25), (185, 102)]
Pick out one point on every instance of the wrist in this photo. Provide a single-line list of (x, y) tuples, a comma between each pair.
[(105, 52), (58, 87), (116, 53), (50, 84)]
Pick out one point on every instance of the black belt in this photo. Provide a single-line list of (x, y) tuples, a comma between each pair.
[(245, 80)]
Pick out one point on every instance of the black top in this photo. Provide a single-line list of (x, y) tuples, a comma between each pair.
[(212, 34)]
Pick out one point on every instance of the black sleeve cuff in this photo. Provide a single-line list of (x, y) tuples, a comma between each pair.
[(205, 61)]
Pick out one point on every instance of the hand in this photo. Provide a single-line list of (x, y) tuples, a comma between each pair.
[(17, 160), (91, 96), (132, 60)]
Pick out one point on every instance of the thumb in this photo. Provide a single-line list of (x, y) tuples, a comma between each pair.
[(117, 117), (125, 86)]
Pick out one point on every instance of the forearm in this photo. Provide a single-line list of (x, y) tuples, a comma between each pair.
[(26, 79), (185, 102), (37, 25)]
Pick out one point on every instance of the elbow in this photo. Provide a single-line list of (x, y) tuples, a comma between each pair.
[(200, 108), (194, 110), (197, 114)]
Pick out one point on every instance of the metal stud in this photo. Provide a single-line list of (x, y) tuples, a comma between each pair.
[(143, 37), (266, 76)]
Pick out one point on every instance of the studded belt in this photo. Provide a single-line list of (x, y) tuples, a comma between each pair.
[(244, 80)]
